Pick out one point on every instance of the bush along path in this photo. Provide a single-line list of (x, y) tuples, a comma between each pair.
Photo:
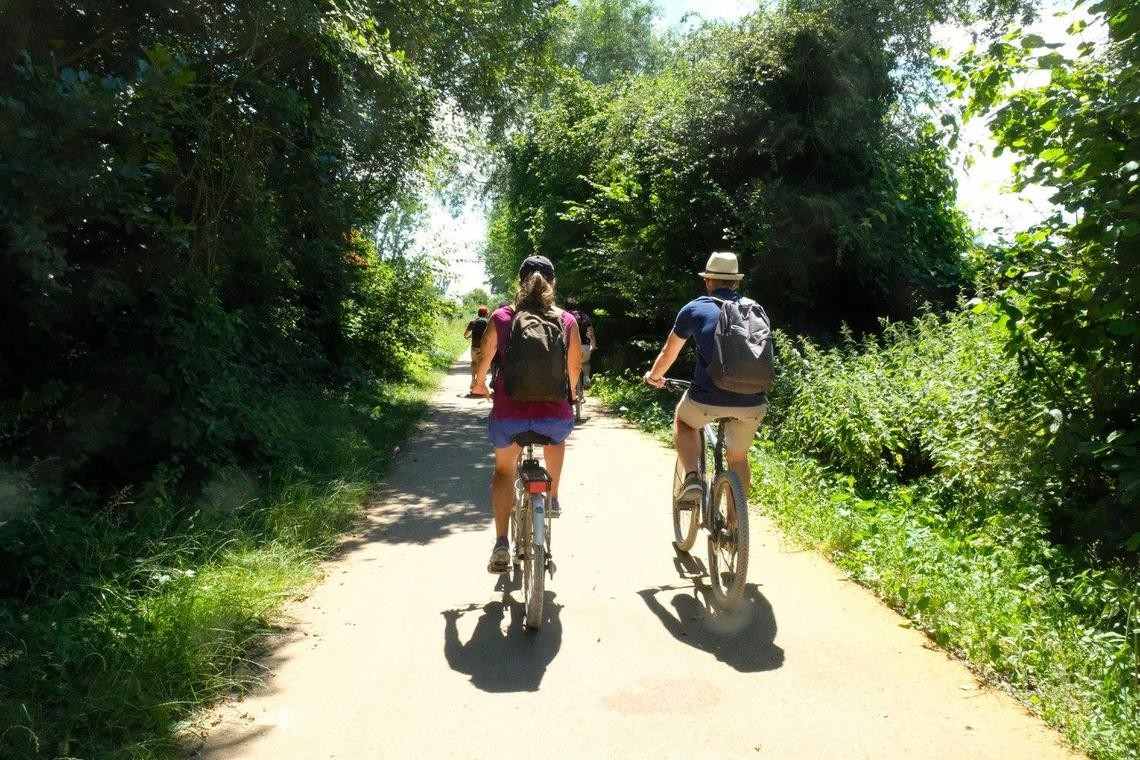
[(410, 645), (149, 610)]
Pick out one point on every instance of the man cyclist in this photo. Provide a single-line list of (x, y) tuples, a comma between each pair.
[(589, 340), (704, 401), (553, 419), (474, 331)]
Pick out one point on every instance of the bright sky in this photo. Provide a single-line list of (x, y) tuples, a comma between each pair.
[(983, 187), (673, 10)]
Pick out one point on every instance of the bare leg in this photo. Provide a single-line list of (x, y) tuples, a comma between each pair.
[(553, 456), (738, 463), (503, 488), (687, 442)]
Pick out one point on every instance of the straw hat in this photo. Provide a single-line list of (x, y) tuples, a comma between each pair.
[(722, 265)]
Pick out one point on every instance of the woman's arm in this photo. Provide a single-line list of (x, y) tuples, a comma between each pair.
[(573, 358)]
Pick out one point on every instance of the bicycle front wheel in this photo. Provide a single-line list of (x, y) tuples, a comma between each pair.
[(728, 541), (686, 516), (534, 572)]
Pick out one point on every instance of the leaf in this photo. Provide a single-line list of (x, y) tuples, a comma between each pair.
[(1125, 327)]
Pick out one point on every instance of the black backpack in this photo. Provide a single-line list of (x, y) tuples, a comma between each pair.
[(743, 360), (534, 364)]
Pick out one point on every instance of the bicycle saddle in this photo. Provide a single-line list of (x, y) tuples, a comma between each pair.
[(530, 438)]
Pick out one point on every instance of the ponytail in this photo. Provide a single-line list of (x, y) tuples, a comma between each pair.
[(535, 294)]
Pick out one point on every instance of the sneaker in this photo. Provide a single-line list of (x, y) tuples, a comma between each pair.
[(691, 489), (500, 559), (555, 508)]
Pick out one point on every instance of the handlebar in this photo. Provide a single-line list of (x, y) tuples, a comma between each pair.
[(674, 384)]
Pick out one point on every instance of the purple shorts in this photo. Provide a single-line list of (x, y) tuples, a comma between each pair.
[(503, 431)]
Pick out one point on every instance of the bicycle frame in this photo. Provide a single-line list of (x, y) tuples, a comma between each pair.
[(711, 435)]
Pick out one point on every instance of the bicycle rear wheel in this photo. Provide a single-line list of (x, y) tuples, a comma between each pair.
[(516, 538), (534, 571), (728, 541)]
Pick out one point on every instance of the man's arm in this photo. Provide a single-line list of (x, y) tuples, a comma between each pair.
[(593, 338), (669, 353)]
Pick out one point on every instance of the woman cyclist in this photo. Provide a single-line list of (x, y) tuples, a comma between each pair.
[(509, 417)]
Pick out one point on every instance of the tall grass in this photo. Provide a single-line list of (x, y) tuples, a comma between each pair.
[(920, 465), (136, 617)]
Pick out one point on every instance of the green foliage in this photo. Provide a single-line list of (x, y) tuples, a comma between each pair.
[(779, 138), (1068, 290), (204, 273), (935, 478), (117, 625), (187, 203), (471, 302), (607, 40), (1064, 636), (927, 400)]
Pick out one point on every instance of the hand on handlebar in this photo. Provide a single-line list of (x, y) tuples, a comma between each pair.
[(656, 382)]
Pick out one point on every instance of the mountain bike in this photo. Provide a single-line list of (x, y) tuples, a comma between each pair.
[(722, 512), (530, 527)]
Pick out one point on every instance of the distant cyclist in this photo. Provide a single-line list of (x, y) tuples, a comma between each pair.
[(474, 331), (539, 355), (706, 400), (589, 340)]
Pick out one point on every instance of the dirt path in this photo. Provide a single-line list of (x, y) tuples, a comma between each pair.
[(410, 649)]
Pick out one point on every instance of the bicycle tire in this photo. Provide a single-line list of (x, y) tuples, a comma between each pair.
[(534, 573), (728, 547), (516, 540)]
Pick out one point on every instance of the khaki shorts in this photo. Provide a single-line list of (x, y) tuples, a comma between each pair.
[(743, 421), (476, 355)]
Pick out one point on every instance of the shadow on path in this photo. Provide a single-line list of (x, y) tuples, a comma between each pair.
[(503, 661), (441, 482), (743, 639)]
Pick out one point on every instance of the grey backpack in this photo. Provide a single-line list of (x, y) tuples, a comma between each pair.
[(534, 365), (743, 359)]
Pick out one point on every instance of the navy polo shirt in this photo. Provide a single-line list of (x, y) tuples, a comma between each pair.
[(697, 320)]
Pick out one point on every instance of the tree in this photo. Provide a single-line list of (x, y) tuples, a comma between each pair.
[(779, 138), (189, 197), (608, 40), (1069, 289)]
